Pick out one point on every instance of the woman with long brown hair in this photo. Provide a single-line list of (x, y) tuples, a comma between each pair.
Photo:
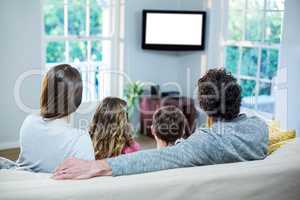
[(47, 138), (110, 129)]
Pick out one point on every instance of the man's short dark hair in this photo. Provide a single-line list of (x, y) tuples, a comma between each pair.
[(169, 124), (219, 94)]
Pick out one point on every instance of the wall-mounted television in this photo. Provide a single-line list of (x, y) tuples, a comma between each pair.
[(173, 30)]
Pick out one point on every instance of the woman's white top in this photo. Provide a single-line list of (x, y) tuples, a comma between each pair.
[(46, 143)]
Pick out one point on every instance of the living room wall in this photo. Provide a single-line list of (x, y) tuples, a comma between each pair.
[(20, 51), (288, 104), (169, 69)]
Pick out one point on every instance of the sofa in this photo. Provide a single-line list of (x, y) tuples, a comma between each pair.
[(275, 178)]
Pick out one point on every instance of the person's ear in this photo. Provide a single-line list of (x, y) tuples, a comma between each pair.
[(152, 131)]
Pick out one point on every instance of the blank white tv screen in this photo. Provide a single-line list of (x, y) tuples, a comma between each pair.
[(174, 29)]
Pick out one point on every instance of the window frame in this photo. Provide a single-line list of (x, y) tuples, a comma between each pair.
[(115, 38), (248, 44)]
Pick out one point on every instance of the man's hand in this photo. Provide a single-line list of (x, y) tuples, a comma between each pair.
[(73, 168)]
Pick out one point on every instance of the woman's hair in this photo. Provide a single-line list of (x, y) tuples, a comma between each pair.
[(169, 124), (219, 94), (110, 129), (61, 92)]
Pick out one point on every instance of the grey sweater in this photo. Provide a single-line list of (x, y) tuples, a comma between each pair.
[(243, 139)]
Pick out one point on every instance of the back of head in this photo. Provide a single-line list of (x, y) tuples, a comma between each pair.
[(110, 129), (219, 94), (169, 124), (61, 92)]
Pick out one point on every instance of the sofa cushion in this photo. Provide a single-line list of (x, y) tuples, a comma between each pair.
[(276, 177)]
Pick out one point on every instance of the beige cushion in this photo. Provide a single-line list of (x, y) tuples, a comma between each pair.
[(276, 177)]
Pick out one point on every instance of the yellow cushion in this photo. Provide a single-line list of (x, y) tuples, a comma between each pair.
[(278, 137)]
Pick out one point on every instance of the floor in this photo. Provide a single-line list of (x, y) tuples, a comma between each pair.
[(11, 154), (145, 142)]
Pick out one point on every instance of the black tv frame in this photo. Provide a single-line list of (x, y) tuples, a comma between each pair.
[(173, 47)]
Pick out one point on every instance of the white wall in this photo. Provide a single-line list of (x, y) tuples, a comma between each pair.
[(290, 61), (20, 50), (161, 67), (215, 10), (165, 68)]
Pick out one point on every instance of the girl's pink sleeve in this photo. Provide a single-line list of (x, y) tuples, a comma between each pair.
[(133, 148)]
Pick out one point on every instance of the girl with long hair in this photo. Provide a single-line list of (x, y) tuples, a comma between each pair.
[(110, 129)]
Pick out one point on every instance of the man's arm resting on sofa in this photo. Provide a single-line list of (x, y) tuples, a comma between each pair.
[(192, 152), (155, 160), (73, 168), (134, 163)]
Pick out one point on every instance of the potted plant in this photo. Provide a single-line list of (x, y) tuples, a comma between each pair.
[(132, 93)]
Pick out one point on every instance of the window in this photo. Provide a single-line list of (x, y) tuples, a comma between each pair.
[(88, 35), (252, 35)]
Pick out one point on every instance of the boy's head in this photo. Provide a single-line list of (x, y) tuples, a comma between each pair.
[(168, 125)]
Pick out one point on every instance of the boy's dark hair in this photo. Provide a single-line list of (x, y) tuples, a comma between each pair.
[(169, 124), (219, 94)]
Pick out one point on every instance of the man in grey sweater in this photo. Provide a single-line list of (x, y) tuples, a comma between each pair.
[(233, 137)]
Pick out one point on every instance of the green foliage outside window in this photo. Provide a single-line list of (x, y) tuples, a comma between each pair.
[(97, 51), (96, 18), (232, 59), (54, 26), (54, 17), (269, 63), (249, 62), (78, 51), (248, 87), (55, 52), (77, 17), (273, 27), (256, 26), (265, 88)]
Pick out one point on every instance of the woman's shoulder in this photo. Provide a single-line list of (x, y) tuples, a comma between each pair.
[(30, 121), (32, 117)]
